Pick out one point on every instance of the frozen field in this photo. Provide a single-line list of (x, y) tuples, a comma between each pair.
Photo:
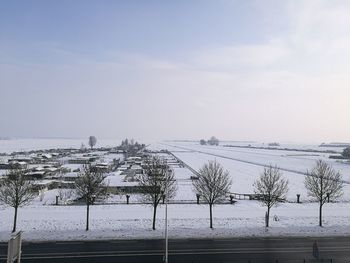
[(245, 165)]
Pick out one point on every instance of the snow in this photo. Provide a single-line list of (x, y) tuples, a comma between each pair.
[(116, 179), (245, 218), (72, 166), (249, 163), (42, 220), (11, 145)]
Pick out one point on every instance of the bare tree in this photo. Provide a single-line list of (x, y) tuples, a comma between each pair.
[(271, 188), (202, 142), (213, 141), (16, 191), (323, 183), (92, 141), (157, 181), (82, 147), (213, 184), (346, 153), (90, 185)]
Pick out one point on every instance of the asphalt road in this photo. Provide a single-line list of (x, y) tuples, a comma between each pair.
[(257, 250)]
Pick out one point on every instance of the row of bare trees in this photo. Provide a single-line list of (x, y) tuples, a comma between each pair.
[(157, 182), (322, 183), (17, 190), (214, 184)]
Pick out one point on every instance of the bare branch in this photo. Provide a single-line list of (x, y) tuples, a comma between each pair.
[(90, 184), (213, 182), (16, 190), (323, 180)]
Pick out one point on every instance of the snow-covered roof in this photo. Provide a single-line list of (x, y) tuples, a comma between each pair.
[(46, 155), (118, 180), (135, 167), (102, 164), (70, 175), (43, 182)]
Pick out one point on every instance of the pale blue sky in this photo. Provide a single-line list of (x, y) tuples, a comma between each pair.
[(249, 70), (31, 30)]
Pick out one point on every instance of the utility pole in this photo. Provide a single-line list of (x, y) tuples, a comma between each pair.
[(166, 220)]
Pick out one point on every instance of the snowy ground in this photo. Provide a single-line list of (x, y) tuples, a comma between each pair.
[(249, 163), (243, 219), (43, 221)]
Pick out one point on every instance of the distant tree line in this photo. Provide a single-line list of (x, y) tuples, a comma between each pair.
[(212, 141), (130, 147)]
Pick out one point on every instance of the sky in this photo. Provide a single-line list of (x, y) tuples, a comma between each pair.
[(155, 70)]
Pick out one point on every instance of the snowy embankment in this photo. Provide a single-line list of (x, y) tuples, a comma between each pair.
[(244, 219)]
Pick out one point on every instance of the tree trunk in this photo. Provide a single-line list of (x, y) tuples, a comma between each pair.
[(211, 215), (268, 217), (87, 217), (320, 215), (321, 203), (15, 220), (154, 216)]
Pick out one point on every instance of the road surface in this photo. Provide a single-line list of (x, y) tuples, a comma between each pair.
[(253, 250)]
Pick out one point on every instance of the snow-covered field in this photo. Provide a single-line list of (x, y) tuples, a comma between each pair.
[(245, 165), (43, 221), (245, 218)]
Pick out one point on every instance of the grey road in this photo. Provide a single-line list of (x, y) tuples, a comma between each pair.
[(253, 250)]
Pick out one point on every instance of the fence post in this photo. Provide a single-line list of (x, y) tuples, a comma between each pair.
[(231, 199), (298, 198), (127, 199), (197, 195)]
